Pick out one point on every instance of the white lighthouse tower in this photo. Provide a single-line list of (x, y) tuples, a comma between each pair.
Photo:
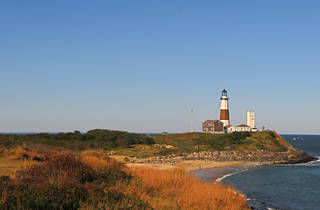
[(224, 109)]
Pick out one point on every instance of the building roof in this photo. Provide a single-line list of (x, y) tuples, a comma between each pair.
[(243, 125)]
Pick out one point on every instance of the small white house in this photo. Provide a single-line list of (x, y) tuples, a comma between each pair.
[(230, 129), (254, 129), (243, 128), (239, 128)]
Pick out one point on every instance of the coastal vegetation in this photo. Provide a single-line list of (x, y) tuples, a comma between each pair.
[(94, 139), (265, 146), (140, 145), (168, 144), (79, 170), (93, 180)]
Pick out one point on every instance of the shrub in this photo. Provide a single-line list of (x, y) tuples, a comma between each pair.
[(175, 189), (64, 165), (78, 141), (230, 140), (67, 181), (48, 197), (93, 180), (118, 200)]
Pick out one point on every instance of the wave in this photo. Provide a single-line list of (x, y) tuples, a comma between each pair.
[(231, 174), (311, 163)]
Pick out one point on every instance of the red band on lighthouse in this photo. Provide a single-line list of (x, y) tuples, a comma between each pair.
[(224, 114)]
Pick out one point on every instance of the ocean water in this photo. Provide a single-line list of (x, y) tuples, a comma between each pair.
[(283, 186)]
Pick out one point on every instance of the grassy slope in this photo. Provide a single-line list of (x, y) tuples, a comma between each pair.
[(268, 140), (194, 142), (94, 139), (90, 180), (8, 167), (138, 145), (36, 155)]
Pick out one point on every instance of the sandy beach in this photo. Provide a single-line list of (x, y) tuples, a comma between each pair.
[(219, 173), (204, 170)]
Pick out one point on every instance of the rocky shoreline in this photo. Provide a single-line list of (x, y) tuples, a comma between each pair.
[(288, 157)]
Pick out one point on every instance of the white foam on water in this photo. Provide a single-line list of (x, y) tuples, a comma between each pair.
[(311, 163), (227, 175)]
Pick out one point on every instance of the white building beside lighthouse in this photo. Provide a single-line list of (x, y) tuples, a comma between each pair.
[(251, 120)]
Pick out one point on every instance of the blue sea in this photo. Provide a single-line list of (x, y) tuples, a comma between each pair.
[(283, 186)]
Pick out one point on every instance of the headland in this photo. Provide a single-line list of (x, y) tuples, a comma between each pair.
[(101, 159)]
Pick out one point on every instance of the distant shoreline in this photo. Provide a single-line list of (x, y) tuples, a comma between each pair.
[(218, 174), (194, 165), (217, 169)]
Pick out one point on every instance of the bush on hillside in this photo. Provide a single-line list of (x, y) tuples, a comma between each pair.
[(65, 181), (76, 141), (92, 180), (225, 141), (22, 196)]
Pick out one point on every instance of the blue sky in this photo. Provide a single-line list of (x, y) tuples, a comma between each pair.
[(141, 65)]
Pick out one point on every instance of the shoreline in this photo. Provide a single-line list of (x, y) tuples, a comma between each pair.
[(208, 170), (218, 174), (194, 165), (198, 168)]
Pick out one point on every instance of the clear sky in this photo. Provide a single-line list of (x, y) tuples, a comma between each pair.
[(141, 65)]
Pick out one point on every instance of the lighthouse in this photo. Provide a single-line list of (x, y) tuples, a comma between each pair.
[(224, 108)]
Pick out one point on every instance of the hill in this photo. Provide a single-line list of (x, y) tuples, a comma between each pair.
[(93, 180), (261, 144), (187, 143), (74, 170), (94, 139), (268, 140)]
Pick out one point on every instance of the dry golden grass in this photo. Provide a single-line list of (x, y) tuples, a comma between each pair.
[(20, 158), (140, 151), (9, 167), (189, 165), (15, 159), (24, 153), (170, 189), (175, 189), (98, 159), (162, 189)]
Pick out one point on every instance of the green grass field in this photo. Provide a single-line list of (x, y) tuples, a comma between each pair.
[(139, 145), (195, 142)]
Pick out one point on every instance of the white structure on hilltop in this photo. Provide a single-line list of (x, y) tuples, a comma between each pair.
[(251, 119), (224, 109), (239, 128), (223, 125)]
